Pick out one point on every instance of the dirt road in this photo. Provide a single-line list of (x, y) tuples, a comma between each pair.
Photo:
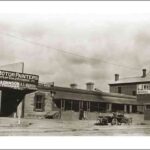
[(43, 127)]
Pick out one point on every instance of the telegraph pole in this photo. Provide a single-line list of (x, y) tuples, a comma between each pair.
[(21, 104)]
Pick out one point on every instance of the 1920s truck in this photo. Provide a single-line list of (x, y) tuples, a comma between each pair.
[(115, 119)]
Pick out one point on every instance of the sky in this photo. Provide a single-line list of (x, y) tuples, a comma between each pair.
[(76, 42)]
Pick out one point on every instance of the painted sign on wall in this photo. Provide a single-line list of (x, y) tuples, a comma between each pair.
[(17, 80), (10, 84), (19, 77), (143, 88), (27, 86)]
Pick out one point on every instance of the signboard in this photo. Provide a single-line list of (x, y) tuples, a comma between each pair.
[(20, 77), (17, 80), (27, 86), (143, 88), (47, 84), (10, 84)]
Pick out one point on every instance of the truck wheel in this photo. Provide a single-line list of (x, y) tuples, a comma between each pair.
[(114, 121)]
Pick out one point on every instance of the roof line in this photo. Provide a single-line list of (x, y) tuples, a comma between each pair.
[(83, 91)]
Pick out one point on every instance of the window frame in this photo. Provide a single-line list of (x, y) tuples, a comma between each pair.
[(148, 107), (119, 89), (42, 102), (134, 93)]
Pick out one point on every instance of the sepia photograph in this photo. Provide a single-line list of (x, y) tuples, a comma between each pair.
[(75, 69)]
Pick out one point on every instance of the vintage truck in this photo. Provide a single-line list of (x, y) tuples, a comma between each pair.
[(115, 119)]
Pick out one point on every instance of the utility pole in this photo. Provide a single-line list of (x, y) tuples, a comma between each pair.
[(21, 104), (22, 67)]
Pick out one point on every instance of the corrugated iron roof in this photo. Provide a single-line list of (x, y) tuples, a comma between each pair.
[(76, 96), (85, 95), (116, 100), (97, 96), (94, 92)]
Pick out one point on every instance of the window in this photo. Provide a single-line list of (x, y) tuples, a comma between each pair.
[(119, 89), (148, 107), (134, 93), (39, 102), (145, 87)]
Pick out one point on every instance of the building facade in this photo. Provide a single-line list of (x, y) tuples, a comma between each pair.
[(21, 94), (71, 102), (13, 87), (136, 86)]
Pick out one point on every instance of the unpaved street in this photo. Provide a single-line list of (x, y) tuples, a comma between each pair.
[(46, 127), (93, 131)]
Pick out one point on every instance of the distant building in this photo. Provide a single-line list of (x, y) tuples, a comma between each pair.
[(136, 86)]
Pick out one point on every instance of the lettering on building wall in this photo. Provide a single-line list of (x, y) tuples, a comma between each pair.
[(27, 86), (17, 85), (143, 88), (10, 84), (18, 80)]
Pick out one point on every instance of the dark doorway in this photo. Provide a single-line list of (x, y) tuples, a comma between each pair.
[(117, 107), (134, 108), (128, 108), (9, 101)]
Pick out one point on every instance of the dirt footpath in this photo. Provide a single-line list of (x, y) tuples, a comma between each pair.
[(46, 127)]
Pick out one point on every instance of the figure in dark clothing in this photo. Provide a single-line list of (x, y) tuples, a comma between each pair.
[(81, 114)]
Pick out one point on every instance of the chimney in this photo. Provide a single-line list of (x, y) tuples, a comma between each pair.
[(116, 77), (144, 73), (90, 86), (73, 85)]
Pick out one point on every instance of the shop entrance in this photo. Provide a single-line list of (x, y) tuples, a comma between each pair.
[(9, 101), (13, 87)]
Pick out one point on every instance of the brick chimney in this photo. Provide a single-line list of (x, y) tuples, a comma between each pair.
[(144, 73), (73, 85), (116, 77), (90, 86)]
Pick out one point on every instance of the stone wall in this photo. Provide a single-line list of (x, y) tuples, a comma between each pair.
[(29, 105), (143, 98), (147, 115), (71, 115)]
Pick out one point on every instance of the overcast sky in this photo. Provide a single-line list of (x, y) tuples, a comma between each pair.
[(111, 42)]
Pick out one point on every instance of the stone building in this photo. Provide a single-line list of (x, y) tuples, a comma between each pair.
[(22, 93), (70, 101), (136, 86)]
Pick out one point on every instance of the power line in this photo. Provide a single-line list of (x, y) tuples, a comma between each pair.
[(67, 52)]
